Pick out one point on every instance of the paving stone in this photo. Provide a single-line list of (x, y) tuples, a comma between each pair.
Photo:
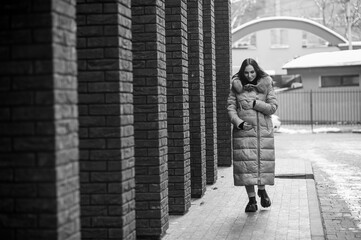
[(339, 220), (220, 213)]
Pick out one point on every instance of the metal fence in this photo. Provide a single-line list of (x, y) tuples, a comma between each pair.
[(319, 107)]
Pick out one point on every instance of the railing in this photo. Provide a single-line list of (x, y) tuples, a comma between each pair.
[(319, 107)]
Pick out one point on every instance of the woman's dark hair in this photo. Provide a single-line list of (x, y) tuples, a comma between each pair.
[(259, 71)]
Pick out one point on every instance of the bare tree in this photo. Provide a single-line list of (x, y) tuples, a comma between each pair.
[(239, 7), (334, 15), (355, 15), (331, 12), (321, 4)]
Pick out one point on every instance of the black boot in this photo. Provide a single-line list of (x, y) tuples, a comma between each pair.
[(252, 205), (265, 200)]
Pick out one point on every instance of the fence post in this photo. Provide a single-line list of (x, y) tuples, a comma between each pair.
[(311, 111)]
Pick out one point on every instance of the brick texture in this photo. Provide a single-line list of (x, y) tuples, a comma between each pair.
[(150, 118), (196, 98), (39, 185), (224, 71), (210, 91), (98, 99), (178, 107), (106, 120)]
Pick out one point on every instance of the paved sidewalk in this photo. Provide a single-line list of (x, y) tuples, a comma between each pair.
[(219, 214)]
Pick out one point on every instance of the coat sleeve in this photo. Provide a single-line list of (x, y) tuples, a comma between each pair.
[(236, 83), (232, 109), (270, 106)]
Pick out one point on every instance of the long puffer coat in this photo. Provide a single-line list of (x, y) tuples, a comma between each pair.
[(253, 150)]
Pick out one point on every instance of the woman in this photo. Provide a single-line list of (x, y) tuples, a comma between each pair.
[(251, 103)]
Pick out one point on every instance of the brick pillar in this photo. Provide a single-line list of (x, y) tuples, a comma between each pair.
[(196, 97), (178, 107), (224, 71), (39, 180), (210, 91), (106, 120), (150, 117)]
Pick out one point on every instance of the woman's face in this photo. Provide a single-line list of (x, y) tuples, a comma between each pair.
[(250, 73)]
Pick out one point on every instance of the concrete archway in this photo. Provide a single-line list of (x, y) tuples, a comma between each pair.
[(288, 22)]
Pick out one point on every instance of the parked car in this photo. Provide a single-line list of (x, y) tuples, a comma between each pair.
[(276, 123)]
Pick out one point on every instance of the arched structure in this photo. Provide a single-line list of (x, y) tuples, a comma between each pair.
[(288, 22)]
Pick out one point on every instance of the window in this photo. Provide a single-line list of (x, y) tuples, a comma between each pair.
[(248, 42), (310, 40), (339, 81), (279, 38)]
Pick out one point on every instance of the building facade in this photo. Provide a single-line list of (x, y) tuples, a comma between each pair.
[(113, 114), (273, 52), (275, 46), (331, 89)]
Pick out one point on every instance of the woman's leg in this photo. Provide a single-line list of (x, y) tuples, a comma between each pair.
[(252, 203), (265, 200), (250, 191)]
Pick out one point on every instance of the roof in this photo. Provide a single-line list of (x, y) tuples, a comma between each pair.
[(326, 59)]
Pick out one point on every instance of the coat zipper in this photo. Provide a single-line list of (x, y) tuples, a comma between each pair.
[(258, 150)]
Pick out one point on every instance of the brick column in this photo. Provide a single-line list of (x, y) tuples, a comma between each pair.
[(150, 117), (178, 107), (224, 71), (210, 91), (39, 183), (106, 120), (196, 97)]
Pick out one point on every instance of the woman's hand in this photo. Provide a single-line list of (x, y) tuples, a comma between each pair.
[(247, 104), (249, 87), (247, 126)]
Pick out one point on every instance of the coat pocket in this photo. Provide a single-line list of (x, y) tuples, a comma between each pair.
[(240, 133)]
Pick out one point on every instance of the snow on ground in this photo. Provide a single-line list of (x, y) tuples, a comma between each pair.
[(327, 130), (293, 131), (307, 129)]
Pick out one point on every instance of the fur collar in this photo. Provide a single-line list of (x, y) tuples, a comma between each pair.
[(262, 86)]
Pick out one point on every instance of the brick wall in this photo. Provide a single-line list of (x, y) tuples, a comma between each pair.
[(106, 120), (66, 119), (39, 187), (150, 117), (138, 114), (224, 70), (196, 98), (210, 91), (178, 107)]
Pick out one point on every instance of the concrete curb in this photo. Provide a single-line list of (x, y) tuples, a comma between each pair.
[(317, 231), (356, 131), (295, 176), (316, 221)]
